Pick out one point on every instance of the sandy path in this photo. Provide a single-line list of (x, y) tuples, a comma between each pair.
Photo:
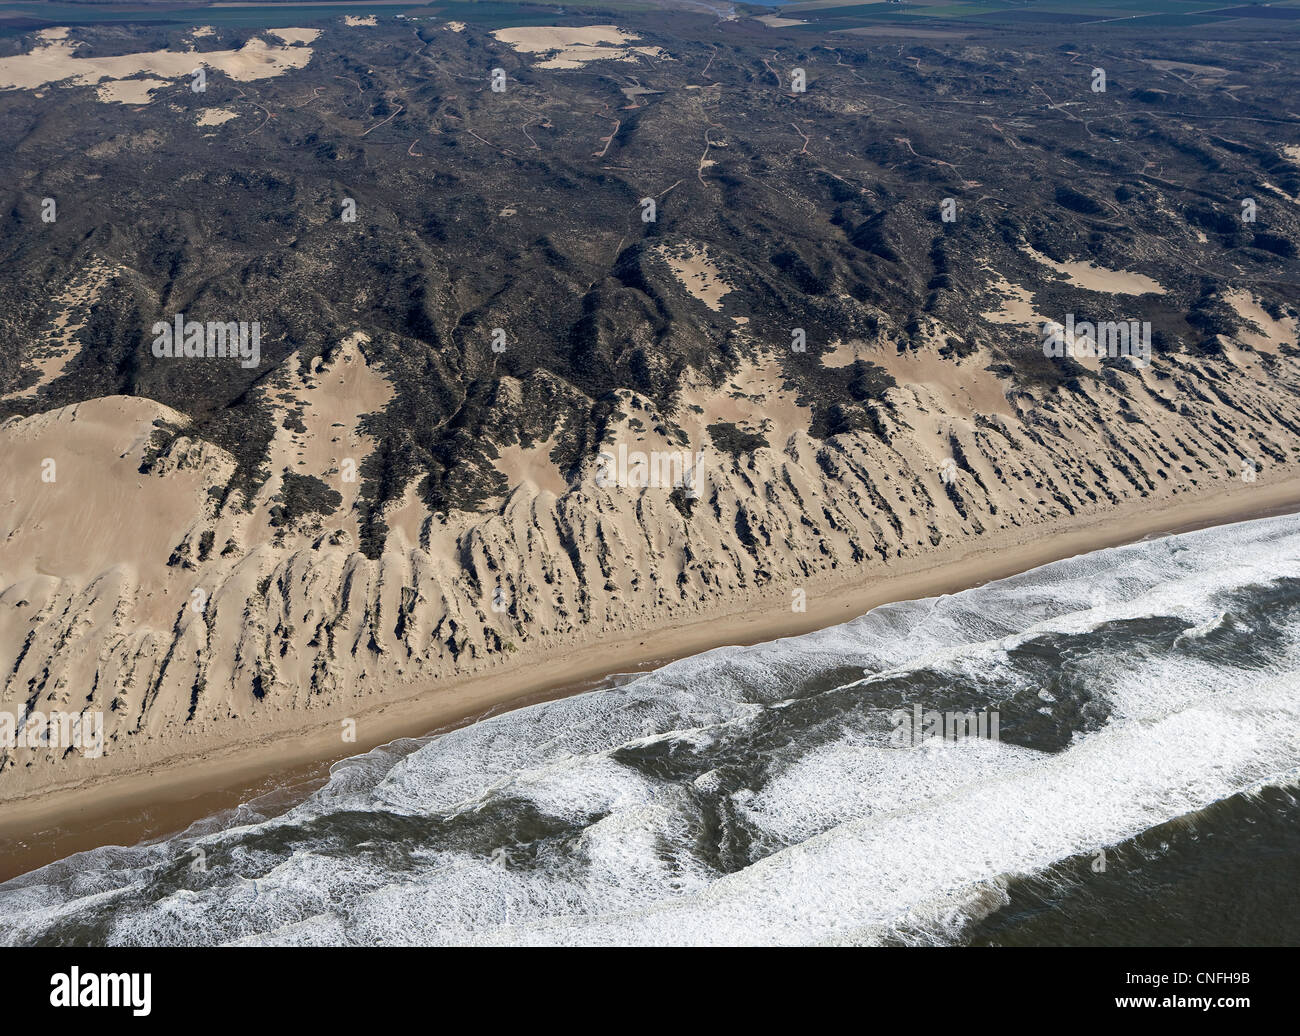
[(805, 136), (607, 140)]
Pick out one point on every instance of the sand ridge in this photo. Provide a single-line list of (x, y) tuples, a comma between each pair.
[(298, 620), (1272, 333)]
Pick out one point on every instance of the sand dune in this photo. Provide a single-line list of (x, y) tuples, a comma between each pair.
[(1098, 278), (1271, 333), (697, 273), (57, 61), (570, 47), (101, 566), (215, 116)]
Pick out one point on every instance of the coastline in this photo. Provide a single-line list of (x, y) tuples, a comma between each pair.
[(166, 796)]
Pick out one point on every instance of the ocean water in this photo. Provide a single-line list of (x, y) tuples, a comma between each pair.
[(1142, 790)]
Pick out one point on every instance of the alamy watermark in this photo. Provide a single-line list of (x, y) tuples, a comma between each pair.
[(193, 339), (75, 988), (79, 730), (1109, 338), (656, 469), (913, 728)]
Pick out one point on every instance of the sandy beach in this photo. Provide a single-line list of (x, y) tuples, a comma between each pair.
[(125, 807)]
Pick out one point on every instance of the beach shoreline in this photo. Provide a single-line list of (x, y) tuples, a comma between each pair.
[(168, 794)]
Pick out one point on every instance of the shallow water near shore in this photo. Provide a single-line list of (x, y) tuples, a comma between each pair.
[(1142, 790)]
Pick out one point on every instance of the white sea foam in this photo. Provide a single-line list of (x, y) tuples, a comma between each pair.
[(887, 870)]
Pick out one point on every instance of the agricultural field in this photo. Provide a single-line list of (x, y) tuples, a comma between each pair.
[(998, 15)]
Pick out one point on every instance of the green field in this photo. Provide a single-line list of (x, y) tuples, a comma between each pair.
[(842, 14), (822, 15)]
